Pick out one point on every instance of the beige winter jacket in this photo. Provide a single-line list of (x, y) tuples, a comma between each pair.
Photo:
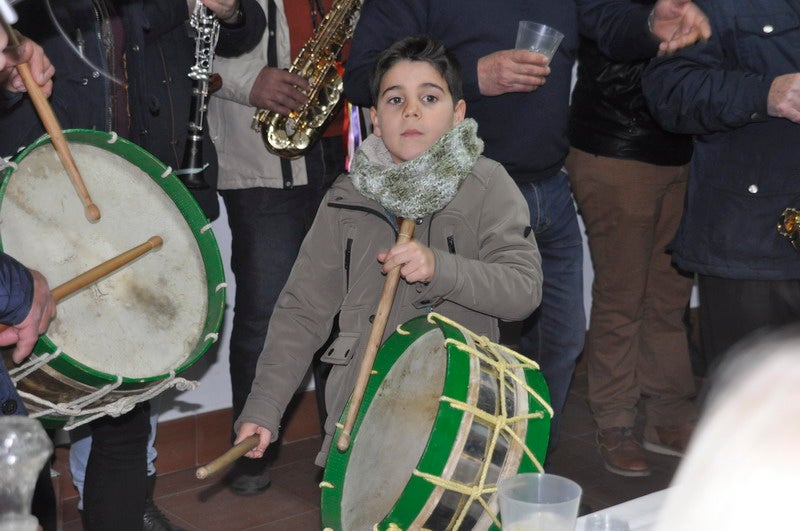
[(487, 267)]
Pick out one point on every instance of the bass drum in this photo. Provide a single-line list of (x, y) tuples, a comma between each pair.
[(446, 414), (124, 338)]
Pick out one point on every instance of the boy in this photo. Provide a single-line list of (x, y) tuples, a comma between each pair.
[(474, 258)]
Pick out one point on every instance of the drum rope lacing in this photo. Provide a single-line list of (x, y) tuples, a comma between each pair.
[(498, 425), (7, 163), (77, 410)]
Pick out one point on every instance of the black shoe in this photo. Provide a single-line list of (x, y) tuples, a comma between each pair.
[(249, 476), (154, 519)]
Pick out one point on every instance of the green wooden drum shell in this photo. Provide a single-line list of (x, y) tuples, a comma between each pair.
[(423, 436), (67, 377)]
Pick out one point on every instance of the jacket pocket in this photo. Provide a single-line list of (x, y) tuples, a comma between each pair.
[(342, 350)]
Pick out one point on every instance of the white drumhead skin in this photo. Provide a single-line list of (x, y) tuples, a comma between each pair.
[(141, 321), (394, 433)]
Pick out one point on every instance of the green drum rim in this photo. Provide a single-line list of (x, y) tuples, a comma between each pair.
[(194, 217), (446, 426)]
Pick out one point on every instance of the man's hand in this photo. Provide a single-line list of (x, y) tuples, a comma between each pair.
[(226, 10), (246, 430), (678, 23), (511, 71), (783, 100), (278, 90), (416, 261), (26, 333), (27, 52)]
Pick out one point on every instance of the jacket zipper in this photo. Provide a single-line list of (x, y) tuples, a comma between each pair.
[(347, 252)]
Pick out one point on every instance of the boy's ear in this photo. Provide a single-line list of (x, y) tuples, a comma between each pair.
[(373, 116), (459, 112)]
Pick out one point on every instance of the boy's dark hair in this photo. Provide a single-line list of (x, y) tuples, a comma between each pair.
[(418, 48)]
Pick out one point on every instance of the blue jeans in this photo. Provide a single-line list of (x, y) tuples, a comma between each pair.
[(267, 227), (553, 336)]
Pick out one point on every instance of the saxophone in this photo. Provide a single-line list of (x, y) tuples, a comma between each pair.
[(291, 136)]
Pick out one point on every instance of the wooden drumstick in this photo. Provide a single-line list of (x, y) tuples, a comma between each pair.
[(53, 128), (96, 273), (374, 340), (241, 448)]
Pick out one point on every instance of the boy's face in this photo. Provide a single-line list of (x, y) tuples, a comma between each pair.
[(414, 109)]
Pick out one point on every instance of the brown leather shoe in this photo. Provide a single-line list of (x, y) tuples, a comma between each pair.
[(668, 440), (621, 453)]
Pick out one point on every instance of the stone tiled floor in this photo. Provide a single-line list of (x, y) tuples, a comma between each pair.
[(292, 503)]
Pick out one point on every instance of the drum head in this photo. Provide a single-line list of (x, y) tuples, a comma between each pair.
[(407, 429), (145, 320)]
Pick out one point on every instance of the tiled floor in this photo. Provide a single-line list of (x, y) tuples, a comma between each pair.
[(292, 503)]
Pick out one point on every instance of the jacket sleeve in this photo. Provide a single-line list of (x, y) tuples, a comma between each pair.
[(505, 281), (380, 24), (16, 290), (243, 37), (619, 27), (301, 323), (701, 90), (238, 77), (163, 16)]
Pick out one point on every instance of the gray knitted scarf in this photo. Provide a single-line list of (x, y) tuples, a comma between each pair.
[(420, 186)]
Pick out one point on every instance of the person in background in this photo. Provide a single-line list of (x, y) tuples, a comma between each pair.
[(628, 177), (739, 95), (521, 102), (143, 45), (270, 200)]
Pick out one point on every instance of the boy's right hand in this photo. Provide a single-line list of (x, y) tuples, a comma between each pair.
[(246, 430), (511, 71), (416, 261)]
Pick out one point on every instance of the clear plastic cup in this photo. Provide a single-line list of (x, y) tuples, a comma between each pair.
[(604, 522), (538, 502), (538, 38)]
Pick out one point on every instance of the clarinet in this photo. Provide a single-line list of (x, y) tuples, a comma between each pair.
[(206, 27)]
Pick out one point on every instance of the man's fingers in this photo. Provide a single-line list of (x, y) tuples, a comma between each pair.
[(24, 347)]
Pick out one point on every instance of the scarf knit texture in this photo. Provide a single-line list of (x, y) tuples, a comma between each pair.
[(420, 186)]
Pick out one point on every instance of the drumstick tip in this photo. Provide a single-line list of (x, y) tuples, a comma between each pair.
[(344, 442), (155, 242), (201, 473), (92, 212)]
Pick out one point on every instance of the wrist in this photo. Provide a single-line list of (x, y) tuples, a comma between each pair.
[(236, 18)]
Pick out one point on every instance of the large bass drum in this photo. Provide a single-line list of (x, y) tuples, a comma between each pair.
[(446, 414), (126, 337)]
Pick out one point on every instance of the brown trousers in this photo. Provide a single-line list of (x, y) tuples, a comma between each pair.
[(637, 345)]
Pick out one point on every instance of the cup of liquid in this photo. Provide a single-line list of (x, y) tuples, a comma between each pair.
[(538, 502), (539, 38)]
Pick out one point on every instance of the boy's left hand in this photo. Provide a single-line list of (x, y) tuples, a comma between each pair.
[(416, 260)]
